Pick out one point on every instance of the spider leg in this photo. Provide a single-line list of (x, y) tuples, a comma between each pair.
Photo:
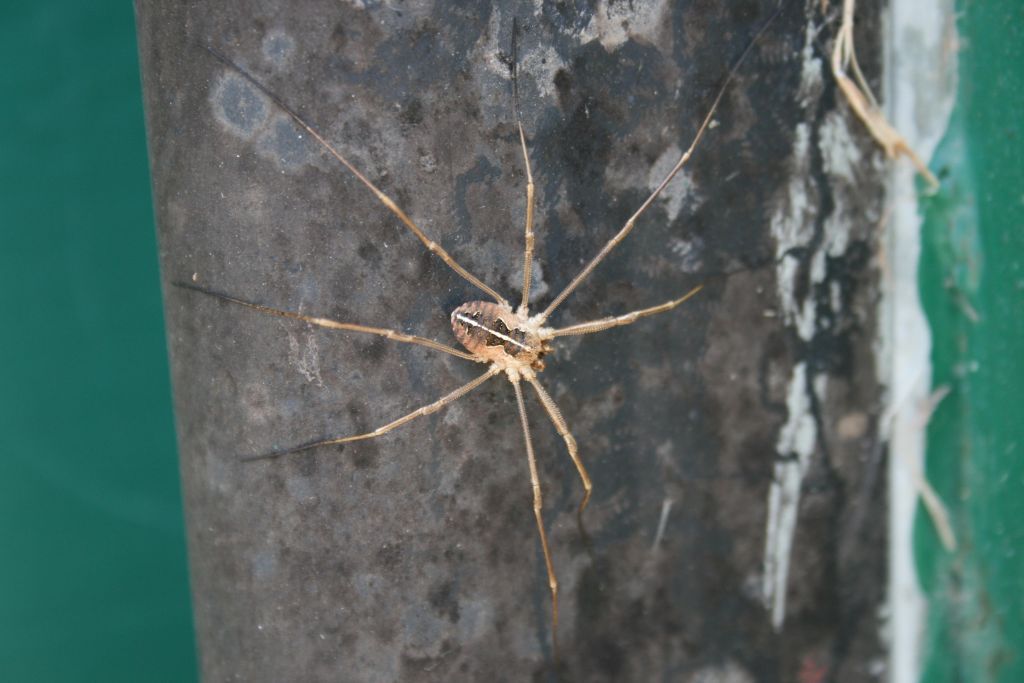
[(537, 505), (425, 410), (556, 419), (431, 246), (624, 319), (628, 227), (335, 325), (528, 248)]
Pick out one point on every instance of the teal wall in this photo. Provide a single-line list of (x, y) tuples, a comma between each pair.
[(972, 283), (93, 583)]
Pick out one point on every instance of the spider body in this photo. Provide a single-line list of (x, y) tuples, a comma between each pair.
[(495, 333)]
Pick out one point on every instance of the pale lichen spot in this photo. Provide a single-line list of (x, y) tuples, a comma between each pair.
[(540, 286), (688, 253), (614, 23), (681, 192), (305, 357), (541, 64), (285, 143), (246, 113), (278, 47), (238, 105), (428, 163), (513, 281)]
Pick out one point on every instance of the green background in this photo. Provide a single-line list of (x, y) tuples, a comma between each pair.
[(93, 582), (972, 284)]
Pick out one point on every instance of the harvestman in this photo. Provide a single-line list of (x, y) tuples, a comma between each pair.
[(509, 341)]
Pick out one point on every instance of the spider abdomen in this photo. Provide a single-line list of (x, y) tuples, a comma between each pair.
[(496, 333)]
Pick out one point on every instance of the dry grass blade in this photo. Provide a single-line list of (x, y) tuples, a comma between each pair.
[(863, 102)]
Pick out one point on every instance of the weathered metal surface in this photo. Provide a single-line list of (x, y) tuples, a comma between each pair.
[(414, 557)]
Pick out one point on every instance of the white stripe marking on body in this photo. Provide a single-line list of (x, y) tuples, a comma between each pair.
[(499, 335)]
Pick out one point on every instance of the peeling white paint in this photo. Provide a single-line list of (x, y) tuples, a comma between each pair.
[(840, 155), (796, 440), (811, 80), (793, 228)]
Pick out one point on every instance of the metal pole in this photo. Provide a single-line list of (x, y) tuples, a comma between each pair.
[(414, 557)]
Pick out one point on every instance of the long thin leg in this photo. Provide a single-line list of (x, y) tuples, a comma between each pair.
[(431, 246), (624, 319), (621, 235), (528, 248), (556, 418), (425, 410), (538, 505), (335, 325)]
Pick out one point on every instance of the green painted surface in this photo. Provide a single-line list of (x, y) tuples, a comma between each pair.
[(93, 583), (972, 281)]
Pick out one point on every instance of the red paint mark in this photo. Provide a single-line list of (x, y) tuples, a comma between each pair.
[(812, 670)]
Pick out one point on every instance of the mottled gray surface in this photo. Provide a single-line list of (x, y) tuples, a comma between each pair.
[(414, 557)]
